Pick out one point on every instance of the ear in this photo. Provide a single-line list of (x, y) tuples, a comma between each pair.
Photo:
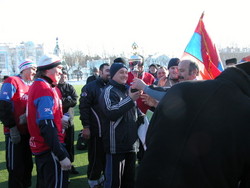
[(195, 73)]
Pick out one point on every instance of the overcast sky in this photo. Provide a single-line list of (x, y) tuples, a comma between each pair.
[(111, 26)]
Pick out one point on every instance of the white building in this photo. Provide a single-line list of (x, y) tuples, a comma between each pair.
[(12, 54)]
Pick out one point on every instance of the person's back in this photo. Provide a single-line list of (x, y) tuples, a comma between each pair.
[(199, 136)]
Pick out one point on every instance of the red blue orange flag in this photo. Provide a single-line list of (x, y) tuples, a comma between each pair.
[(202, 50)]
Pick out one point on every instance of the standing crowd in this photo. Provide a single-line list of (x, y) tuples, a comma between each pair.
[(198, 136)]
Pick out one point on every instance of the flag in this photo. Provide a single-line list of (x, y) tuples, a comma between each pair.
[(202, 50)]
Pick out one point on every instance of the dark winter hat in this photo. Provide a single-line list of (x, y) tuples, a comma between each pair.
[(64, 71), (116, 67), (173, 62), (48, 62), (153, 65), (120, 60), (231, 61)]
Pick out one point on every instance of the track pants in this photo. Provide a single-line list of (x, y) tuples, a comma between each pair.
[(19, 162), (69, 142), (96, 158), (49, 172), (120, 170)]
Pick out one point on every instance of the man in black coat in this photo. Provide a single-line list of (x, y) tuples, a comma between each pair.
[(199, 135), (69, 101), (94, 76), (92, 122)]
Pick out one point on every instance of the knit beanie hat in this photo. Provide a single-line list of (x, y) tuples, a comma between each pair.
[(26, 64), (47, 62), (116, 67), (173, 62)]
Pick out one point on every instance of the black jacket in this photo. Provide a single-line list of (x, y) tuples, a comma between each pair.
[(69, 96), (89, 109), (69, 99), (120, 115), (199, 135), (91, 78)]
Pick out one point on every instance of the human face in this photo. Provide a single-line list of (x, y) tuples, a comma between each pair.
[(161, 72), (173, 72), (63, 78), (136, 66), (104, 73), (29, 73), (152, 69), (55, 73), (121, 76), (184, 70)]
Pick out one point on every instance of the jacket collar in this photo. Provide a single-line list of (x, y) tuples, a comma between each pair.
[(122, 87), (48, 80), (101, 81)]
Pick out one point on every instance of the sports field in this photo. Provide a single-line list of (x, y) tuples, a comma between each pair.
[(80, 163)]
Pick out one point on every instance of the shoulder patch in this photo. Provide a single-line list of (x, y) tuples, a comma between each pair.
[(84, 94)]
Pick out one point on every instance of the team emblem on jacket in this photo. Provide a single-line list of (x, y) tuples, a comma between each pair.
[(84, 94)]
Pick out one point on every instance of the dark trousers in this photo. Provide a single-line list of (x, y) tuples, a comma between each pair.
[(49, 172), (96, 158), (120, 170), (140, 153), (69, 142), (19, 162)]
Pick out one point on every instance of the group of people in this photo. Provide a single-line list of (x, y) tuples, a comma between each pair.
[(198, 135), (113, 106), (37, 117)]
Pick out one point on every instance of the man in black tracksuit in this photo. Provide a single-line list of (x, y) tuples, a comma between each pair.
[(91, 121), (120, 114), (199, 135), (69, 101)]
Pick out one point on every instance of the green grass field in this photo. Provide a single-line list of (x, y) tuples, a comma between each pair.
[(80, 162)]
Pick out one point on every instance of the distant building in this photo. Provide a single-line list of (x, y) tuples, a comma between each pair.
[(11, 54), (156, 59)]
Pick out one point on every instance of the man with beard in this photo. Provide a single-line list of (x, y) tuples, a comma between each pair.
[(92, 122)]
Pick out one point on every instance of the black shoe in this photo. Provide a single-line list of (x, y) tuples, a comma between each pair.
[(73, 170)]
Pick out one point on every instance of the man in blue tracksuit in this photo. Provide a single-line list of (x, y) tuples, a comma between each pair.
[(91, 121)]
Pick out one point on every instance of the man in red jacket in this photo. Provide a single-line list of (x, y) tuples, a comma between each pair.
[(136, 65), (13, 101), (45, 123)]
